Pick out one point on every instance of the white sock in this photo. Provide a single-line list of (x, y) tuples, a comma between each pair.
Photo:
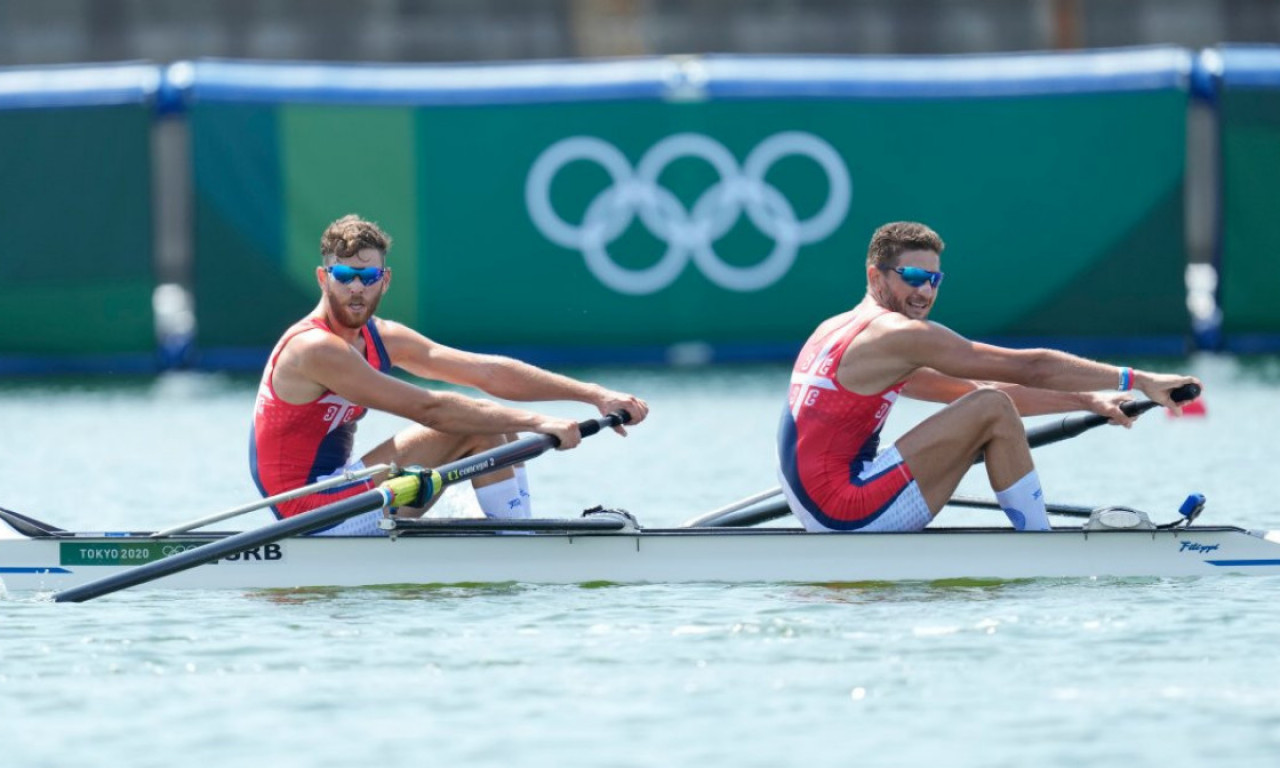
[(1023, 504), (522, 480), (502, 500)]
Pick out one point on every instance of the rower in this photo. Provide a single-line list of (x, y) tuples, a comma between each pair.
[(856, 365), (333, 365)]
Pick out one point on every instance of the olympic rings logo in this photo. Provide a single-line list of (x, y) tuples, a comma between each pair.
[(688, 234), (176, 549)]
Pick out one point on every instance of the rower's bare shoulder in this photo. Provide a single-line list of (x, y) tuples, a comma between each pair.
[(311, 355), (312, 342), (294, 375), (893, 329), (892, 347)]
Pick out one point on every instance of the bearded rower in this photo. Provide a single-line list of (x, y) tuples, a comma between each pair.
[(856, 364), (333, 365)]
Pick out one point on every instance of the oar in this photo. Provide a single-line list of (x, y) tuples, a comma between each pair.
[(332, 482), (1070, 426), (704, 520), (413, 488), (1190, 509), (743, 513), (1065, 510)]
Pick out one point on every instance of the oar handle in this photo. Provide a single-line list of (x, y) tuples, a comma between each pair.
[(1070, 426), (516, 452), (591, 426)]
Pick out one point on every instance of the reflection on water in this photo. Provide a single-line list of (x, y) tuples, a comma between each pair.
[(423, 592), (860, 592)]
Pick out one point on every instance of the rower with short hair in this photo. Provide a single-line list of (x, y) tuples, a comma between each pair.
[(332, 366), (856, 364)]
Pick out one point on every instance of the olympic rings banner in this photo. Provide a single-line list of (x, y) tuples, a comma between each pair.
[(687, 234), (611, 210)]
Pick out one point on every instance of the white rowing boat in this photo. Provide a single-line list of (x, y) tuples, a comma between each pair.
[(608, 548), (605, 546)]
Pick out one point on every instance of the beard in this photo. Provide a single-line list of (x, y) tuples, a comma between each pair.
[(344, 314), (892, 303)]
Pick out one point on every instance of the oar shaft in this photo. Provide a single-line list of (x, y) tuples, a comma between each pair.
[(515, 452), (1070, 426), (333, 482), (755, 498), (398, 491), (773, 509), (214, 550), (779, 509), (1066, 510)]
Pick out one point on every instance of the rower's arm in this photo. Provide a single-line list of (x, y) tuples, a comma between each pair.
[(929, 345), (896, 348), (499, 376), (334, 365), (928, 384)]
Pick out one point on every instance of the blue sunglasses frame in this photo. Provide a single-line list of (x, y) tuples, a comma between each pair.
[(916, 277), (345, 274)]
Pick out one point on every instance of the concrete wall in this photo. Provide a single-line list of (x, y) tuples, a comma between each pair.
[(53, 31)]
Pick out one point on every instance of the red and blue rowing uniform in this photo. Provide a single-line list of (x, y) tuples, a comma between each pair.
[(295, 445), (828, 438)]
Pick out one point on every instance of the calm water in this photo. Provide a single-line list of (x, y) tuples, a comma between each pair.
[(1043, 673)]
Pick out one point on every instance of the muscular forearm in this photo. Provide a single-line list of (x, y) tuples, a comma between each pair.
[(928, 384), (1065, 373), (452, 412), (513, 380), (1033, 401)]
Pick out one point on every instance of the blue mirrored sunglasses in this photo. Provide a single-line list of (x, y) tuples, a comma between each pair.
[(916, 277), (344, 274)]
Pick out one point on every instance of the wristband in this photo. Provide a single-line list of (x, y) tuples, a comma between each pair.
[(1126, 379)]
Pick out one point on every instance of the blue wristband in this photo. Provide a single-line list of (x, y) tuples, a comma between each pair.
[(1126, 379)]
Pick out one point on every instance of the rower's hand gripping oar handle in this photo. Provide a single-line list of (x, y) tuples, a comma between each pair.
[(591, 426), (1070, 426), (416, 485), (1074, 425)]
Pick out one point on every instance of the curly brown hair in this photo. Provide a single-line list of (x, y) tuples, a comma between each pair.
[(892, 239), (349, 235)]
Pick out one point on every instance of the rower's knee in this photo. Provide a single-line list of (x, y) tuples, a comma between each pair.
[(474, 444), (996, 410)]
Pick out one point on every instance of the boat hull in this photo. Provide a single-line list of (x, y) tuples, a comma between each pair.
[(679, 555)]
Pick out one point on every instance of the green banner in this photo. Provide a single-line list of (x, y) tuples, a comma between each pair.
[(1250, 145), (76, 207), (1049, 207), (268, 179), (616, 224)]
